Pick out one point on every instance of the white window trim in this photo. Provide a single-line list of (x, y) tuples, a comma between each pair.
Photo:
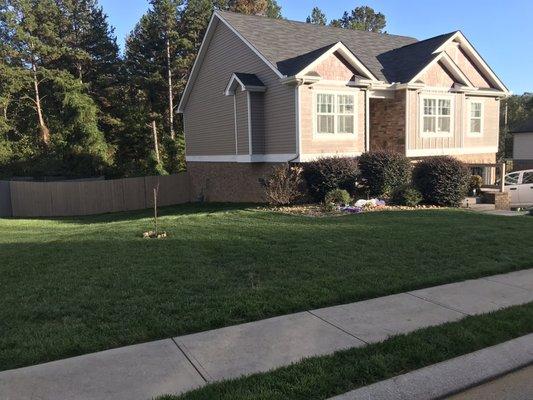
[(336, 135), (421, 116), (469, 119)]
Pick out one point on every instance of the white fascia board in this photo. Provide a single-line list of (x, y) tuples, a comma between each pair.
[(473, 53), (347, 54), (455, 70), (199, 58), (243, 158), (451, 151), (201, 54), (234, 81)]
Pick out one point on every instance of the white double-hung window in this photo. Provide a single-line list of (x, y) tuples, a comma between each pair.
[(436, 118), (475, 122), (335, 113)]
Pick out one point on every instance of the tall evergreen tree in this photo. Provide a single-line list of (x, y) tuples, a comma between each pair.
[(317, 17), (362, 18)]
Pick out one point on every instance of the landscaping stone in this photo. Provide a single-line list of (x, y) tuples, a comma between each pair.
[(476, 296), (377, 319), (127, 373), (260, 346)]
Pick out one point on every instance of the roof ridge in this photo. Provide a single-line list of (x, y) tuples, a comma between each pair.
[(290, 21)]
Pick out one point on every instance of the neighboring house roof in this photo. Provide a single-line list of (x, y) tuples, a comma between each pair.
[(286, 44), (525, 127)]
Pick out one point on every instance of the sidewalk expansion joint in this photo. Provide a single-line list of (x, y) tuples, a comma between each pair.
[(506, 284), (338, 327), (440, 304), (190, 361)]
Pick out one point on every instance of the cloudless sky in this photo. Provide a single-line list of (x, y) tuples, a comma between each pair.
[(502, 31)]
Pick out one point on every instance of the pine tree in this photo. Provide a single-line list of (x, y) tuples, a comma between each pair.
[(363, 19), (317, 17)]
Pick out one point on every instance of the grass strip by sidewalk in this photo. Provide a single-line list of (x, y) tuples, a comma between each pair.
[(323, 377)]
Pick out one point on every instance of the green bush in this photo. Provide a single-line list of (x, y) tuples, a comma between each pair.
[(406, 196), (384, 171), (337, 197), (326, 174), (443, 180)]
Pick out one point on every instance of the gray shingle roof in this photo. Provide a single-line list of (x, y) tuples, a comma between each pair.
[(249, 79), (526, 126), (407, 61), (290, 44)]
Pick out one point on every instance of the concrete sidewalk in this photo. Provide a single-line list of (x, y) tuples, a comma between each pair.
[(180, 364)]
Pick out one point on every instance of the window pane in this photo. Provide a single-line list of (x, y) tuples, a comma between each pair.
[(512, 179), (444, 107), (444, 124), (325, 103), (475, 125), (527, 178), (429, 124), (346, 124), (475, 110), (325, 124), (346, 104), (429, 106)]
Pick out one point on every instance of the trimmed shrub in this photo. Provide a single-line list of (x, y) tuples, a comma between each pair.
[(284, 185), (384, 171), (326, 174), (338, 197), (406, 196), (443, 181)]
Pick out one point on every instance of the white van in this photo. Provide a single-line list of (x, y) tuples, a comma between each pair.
[(520, 186)]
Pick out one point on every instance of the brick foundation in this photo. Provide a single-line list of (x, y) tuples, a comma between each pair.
[(500, 200), (228, 182)]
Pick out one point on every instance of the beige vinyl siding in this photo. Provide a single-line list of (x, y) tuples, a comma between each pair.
[(335, 67), (466, 66), (310, 144), (460, 113), (257, 104), (241, 102), (208, 115), (437, 76)]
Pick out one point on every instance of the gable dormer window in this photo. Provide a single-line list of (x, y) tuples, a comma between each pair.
[(335, 113), (436, 116)]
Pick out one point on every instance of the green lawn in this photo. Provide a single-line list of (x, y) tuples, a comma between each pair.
[(74, 286), (319, 378)]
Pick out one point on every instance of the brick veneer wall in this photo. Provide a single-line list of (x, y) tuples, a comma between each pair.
[(387, 123), (228, 182)]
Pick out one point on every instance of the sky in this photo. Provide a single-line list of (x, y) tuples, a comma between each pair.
[(502, 31)]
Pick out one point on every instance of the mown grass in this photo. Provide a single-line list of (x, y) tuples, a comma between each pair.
[(78, 285), (323, 377)]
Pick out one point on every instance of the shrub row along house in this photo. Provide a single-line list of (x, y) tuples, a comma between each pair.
[(266, 91)]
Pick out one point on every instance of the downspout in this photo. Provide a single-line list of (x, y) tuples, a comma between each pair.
[(235, 122), (298, 141), (367, 121)]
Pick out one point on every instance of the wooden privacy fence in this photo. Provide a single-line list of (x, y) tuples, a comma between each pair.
[(56, 199)]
